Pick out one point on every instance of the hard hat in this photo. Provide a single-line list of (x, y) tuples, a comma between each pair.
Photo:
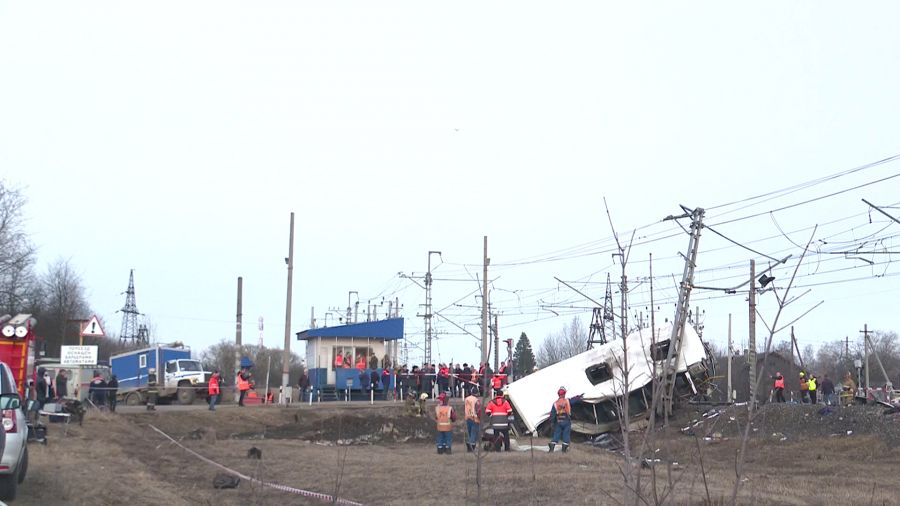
[(561, 391), (442, 396), (423, 396), (802, 374)]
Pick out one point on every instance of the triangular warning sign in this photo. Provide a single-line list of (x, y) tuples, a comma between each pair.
[(92, 328)]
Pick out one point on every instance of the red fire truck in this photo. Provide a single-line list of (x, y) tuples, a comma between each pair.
[(17, 347)]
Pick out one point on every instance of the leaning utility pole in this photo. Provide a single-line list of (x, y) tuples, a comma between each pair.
[(865, 333), (751, 340), (484, 307), (286, 354), (682, 307)]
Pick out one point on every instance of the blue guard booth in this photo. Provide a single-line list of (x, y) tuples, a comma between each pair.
[(335, 356)]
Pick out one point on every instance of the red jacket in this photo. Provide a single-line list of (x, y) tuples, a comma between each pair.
[(214, 385)]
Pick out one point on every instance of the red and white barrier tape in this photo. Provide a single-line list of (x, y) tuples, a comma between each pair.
[(283, 488)]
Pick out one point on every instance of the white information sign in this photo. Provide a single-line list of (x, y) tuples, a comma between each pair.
[(78, 355)]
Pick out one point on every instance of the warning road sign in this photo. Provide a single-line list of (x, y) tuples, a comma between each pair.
[(92, 328)]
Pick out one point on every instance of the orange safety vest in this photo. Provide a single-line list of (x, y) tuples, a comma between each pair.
[(779, 383), (472, 408), (214, 385), (242, 384), (563, 408), (804, 386), (442, 414), (339, 360), (496, 382), (361, 364)]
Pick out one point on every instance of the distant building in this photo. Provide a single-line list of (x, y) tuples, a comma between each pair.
[(366, 343)]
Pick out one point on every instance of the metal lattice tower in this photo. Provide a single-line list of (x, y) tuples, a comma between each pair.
[(130, 330)]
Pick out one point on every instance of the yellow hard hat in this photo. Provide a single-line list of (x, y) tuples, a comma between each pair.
[(802, 374)]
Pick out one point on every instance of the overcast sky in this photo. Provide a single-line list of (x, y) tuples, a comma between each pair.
[(175, 138)]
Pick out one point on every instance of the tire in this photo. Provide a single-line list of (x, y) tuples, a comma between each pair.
[(9, 484), (133, 399), (186, 394), (23, 466)]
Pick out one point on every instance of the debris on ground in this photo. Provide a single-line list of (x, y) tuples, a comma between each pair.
[(783, 421), (223, 480)]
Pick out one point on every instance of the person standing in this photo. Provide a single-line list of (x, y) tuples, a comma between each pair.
[(473, 419), (112, 393), (779, 387), (214, 390), (243, 384), (849, 389), (813, 387), (98, 389), (445, 416), (500, 412), (303, 384), (804, 388), (44, 389), (561, 414), (386, 382), (62, 384), (828, 391)]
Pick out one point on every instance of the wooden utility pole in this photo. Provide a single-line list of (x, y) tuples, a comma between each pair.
[(286, 354), (484, 306), (751, 345), (729, 397)]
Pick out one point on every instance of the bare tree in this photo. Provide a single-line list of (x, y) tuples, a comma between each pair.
[(568, 342), (63, 301), (17, 255), (221, 356)]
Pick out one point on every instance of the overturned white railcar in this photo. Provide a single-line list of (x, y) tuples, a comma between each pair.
[(597, 374)]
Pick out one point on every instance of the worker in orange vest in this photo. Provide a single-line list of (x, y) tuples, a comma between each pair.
[(804, 388), (561, 415), (339, 360), (497, 384), (213, 390), (500, 413), (473, 418), (243, 384), (779, 387), (445, 417)]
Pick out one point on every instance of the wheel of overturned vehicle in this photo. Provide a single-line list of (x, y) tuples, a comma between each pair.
[(133, 399), (9, 484), (186, 393), (23, 467)]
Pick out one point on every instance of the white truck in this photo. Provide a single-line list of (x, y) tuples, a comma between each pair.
[(178, 375)]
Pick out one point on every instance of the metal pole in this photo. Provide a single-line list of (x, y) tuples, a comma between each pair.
[(237, 331), (729, 359), (286, 356), (496, 345), (484, 307), (751, 352), (268, 371), (866, 341)]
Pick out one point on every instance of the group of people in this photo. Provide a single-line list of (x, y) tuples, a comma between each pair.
[(453, 381), (498, 417), (811, 386)]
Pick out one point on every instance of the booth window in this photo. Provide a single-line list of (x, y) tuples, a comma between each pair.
[(142, 361)]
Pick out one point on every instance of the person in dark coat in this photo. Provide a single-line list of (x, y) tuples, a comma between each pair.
[(62, 384), (828, 391), (375, 379), (112, 392), (44, 389), (97, 390)]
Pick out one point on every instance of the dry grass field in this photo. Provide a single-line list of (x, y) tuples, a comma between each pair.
[(376, 455)]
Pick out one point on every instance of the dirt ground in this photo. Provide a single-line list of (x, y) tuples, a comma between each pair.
[(377, 455)]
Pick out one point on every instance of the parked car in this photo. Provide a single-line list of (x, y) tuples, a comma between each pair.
[(14, 462)]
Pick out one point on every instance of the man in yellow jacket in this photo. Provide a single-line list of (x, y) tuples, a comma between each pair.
[(811, 384)]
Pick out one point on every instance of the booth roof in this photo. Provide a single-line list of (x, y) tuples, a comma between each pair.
[(388, 330)]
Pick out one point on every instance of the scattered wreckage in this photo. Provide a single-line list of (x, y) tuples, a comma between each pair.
[(597, 374)]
